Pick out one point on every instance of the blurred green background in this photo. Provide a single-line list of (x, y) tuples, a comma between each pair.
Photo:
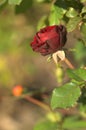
[(17, 28), (19, 65)]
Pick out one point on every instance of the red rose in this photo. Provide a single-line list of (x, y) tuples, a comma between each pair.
[(49, 39)]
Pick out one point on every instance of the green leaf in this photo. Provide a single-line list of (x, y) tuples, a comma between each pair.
[(84, 9), (83, 30), (2, 1), (73, 23), (66, 4), (42, 1), (82, 108), (42, 22), (65, 96), (74, 75), (15, 2), (46, 125), (73, 123), (80, 52), (82, 73), (56, 15), (71, 13), (24, 6), (78, 74), (83, 1), (49, 58)]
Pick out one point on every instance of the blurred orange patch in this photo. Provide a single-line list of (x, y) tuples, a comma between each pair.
[(17, 90)]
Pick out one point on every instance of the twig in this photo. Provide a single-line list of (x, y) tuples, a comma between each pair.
[(39, 103), (68, 63), (61, 55)]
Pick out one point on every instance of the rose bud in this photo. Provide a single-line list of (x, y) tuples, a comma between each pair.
[(49, 39)]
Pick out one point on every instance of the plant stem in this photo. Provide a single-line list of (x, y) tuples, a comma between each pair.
[(42, 105), (62, 57), (68, 63), (39, 103)]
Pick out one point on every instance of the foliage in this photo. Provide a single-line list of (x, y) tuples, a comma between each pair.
[(65, 96), (72, 14)]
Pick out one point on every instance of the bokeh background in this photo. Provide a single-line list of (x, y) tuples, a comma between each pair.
[(19, 65)]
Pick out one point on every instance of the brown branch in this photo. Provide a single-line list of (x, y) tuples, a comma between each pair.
[(68, 63), (39, 103)]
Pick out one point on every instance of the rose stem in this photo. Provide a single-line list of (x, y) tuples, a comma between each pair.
[(68, 63), (39, 103)]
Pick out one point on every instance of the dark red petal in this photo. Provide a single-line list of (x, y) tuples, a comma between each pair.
[(54, 43), (63, 35), (49, 39), (47, 29), (48, 35)]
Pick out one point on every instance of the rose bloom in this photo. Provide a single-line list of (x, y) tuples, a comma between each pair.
[(49, 39)]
